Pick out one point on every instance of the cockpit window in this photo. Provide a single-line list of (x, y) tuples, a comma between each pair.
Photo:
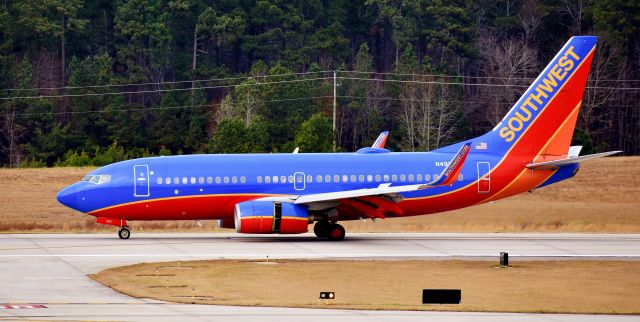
[(97, 179), (104, 179)]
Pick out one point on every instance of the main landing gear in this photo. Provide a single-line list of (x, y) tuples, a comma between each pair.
[(331, 231), (124, 232)]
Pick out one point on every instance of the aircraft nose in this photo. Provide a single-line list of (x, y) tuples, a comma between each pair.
[(68, 196)]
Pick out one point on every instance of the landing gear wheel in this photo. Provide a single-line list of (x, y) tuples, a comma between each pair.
[(336, 232), (124, 233), (321, 229)]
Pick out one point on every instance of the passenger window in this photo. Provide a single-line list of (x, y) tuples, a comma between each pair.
[(394, 178), (209, 180), (309, 178), (378, 178), (184, 180), (243, 179), (352, 178), (361, 178), (234, 179), (460, 177), (319, 178), (159, 181), (226, 179), (427, 177), (167, 180), (275, 179), (336, 178), (267, 179), (402, 178), (201, 180), (283, 179), (386, 178), (259, 179), (290, 179), (411, 177), (193, 180), (345, 178), (327, 178), (369, 178), (218, 180), (176, 180), (419, 178)]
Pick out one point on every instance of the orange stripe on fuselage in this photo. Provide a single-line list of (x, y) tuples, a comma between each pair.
[(529, 179), (524, 150)]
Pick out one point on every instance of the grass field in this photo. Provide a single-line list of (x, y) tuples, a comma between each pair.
[(611, 287), (603, 197)]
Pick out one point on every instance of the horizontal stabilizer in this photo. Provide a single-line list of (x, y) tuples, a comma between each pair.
[(552, 165)]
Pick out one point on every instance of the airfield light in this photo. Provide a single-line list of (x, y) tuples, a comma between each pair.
[(441, 296), (504, 259), (327, 295)]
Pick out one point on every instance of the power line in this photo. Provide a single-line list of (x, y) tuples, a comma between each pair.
[(160, 90), (432, 82), (292, 81), (473, 77), (473, 84), (286, 75), (451, 101), (158, 83), (163, 107)]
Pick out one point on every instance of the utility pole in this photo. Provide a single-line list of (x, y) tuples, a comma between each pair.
[(335, 87)]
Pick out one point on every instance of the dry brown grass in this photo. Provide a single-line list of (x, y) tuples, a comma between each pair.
[(532, 286), (603, 197)]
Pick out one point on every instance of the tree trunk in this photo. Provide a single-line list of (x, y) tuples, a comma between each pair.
[(62, 54), (194, 60)]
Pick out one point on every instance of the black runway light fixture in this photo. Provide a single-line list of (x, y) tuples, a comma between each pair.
[(504, 259)]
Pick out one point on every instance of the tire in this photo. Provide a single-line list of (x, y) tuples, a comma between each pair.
[(321, 229), (336, 232), (124, 233)]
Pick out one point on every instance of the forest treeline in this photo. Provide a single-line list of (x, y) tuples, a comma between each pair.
[(96, 81)]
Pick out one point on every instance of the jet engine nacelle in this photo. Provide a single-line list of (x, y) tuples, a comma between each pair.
[(269, 217)]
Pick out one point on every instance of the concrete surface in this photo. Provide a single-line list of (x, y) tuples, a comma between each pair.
[(51, 269)]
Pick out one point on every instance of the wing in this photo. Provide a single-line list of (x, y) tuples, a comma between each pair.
[(448, 176)]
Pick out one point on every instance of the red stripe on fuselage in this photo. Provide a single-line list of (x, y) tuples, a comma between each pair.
[(507, 178)]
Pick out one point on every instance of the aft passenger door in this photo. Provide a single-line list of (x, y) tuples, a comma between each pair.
[(141, 180), (484, 177)]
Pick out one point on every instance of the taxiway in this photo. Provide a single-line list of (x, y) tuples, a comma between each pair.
[(51, 269)]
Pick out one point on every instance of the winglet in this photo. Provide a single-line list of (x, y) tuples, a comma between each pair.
[(381, 140), (450, 174)]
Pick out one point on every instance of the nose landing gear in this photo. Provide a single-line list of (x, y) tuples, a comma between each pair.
[(124, 232)]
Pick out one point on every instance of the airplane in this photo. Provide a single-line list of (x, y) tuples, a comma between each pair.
[(283, 193)]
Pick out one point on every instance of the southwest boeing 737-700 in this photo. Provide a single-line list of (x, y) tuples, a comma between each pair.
[(284, 193)]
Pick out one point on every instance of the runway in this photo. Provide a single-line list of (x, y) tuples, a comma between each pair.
[(51, 270)]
